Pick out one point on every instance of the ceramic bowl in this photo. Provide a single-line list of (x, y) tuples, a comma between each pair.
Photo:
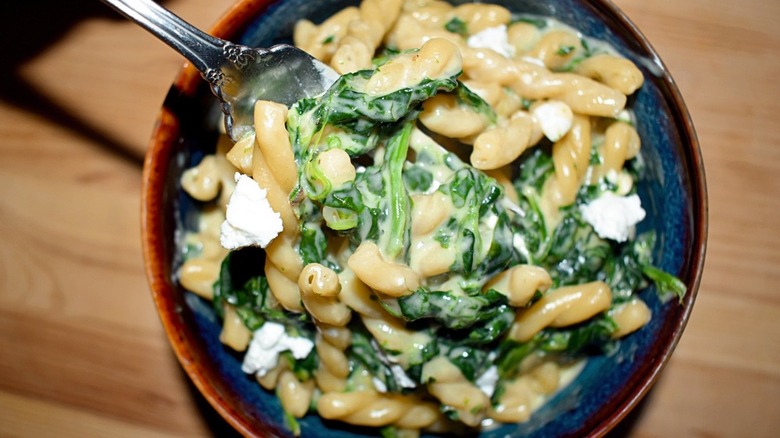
[(673, 193)]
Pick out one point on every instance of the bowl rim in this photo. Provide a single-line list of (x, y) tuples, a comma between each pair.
[(157, 257)]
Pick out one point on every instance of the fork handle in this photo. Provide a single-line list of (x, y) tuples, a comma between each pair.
[(204, 51)]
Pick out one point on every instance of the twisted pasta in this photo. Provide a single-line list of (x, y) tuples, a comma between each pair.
[(389, 278), (447, 383), (364, 34), (562, 307), (320, 288)]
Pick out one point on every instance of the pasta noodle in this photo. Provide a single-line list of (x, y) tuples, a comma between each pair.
[(320, 288), (562, 307), (436, 270), (448, 384), (386, 277)]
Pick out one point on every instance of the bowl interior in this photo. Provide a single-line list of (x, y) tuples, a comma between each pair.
[(672, 191)]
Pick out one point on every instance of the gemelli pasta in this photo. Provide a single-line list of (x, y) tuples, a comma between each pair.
[(458, 220)]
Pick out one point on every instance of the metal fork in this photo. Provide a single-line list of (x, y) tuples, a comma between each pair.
[(239, 75)]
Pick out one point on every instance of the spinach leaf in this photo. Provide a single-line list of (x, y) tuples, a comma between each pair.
[(482, 234), (313, 245), (347, 206), (487, 316), (458, 26), (346, 105), (472, 361), (577, 255), (569, 341), (529, 223), (538, 22), (398, 202), (362, 351), (242, 284), (667, 284), (467, 97), (417, 178), (367, 354)]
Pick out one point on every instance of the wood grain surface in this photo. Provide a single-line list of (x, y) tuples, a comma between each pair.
[(82, 351)]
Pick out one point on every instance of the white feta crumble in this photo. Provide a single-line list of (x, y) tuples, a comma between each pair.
[(493, 38), (554, 117), (267, 342), (249, 219), (613, 216), (487, 381)]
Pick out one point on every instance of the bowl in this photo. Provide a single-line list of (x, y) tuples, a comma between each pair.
[(673, 192)]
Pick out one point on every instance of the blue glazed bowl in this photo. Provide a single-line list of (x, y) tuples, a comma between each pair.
[(673, 193)]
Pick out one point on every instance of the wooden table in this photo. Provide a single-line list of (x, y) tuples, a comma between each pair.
[(82, 352)]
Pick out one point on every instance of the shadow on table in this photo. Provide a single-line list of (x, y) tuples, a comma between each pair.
[(217, 425), (626, 427), (31, 27)]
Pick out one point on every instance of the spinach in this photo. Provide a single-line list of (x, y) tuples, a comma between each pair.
[(565, 50), (458, 26), (467, 97), (313, 244), (362, 351), (539, 23), (536, 165), (384, 56), (471, 361), (398, 199), (242, 284), (487, 316), (572, 252), (529, 223), (346, 204), (569, 341), (365, 353), (482, 231), (347, 106), (666, 283), (417, 178), (576, 254)]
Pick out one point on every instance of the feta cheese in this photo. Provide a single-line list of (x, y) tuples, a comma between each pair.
[(267, 342), (555, 118), (613, 216), (487, 381), (493, 38), (249, 219)]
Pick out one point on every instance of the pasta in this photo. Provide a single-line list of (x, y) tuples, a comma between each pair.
[(435, 269)]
